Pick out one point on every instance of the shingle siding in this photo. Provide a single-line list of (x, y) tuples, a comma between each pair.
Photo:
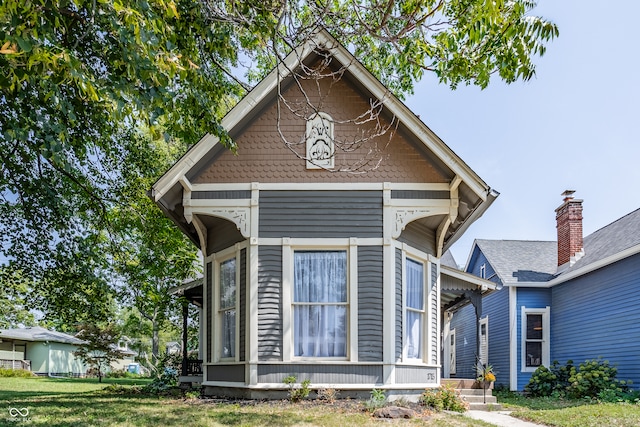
[(598, 315)]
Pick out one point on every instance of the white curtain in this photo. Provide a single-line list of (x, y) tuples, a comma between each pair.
[(415, 300), (320, 310), (228, 307)]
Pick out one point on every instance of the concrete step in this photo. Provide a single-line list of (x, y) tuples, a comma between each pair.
[(480, 399), (485, 407)]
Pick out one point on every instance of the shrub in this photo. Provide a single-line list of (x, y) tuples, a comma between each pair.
[(297, 393), (594, 377), (377, 400), (445, 398), (552, 381), (21, 373)]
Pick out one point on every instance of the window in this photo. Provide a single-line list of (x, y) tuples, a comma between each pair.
[(320, 304), (535, 341), (483, 271), (227, 308), (414, 309)]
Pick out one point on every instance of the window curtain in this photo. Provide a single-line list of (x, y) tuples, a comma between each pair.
[(320, 298), (415, 306), (228, 307)]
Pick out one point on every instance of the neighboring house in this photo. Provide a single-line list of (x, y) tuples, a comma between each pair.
[(310, 270), (41, 351), (574, 299), (128, 355)]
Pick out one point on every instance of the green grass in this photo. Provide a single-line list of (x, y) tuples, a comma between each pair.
[(84, 402), (571, 413)]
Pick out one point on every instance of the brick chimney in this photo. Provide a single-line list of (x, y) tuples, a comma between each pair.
[(569, 225)]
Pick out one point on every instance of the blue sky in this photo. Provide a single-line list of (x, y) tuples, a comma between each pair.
[(571, 127)]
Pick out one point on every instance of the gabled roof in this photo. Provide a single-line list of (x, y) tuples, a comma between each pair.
[(38, 334), (520, 260), (476, 195), (530, 262)]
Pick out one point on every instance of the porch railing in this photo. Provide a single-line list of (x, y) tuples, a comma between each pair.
[(15, 364), (191, 367)]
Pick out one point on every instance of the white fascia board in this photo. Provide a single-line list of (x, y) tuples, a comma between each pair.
[(467, 277), (595, 265), (527, 284)]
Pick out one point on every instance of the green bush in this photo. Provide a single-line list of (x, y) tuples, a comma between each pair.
[(21, 373), (594, 377), (550, 381), (445, 398), (296, 394), (377, 400)]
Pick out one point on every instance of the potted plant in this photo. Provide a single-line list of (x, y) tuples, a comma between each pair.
[(486, 377)]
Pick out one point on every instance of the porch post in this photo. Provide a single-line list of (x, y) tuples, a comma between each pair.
[(185, 316)]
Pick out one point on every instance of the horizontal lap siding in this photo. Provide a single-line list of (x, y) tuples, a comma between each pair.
[(321, 374), (420, 237), (529, 298), (221, 195), (398, 305), (227, 373), (599, 315), (370, 299), (320, 214), (464, 322), (496, 306), (243, 304), (416, 375), (270, 303), (209, 309)]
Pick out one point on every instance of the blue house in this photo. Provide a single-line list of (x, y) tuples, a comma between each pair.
[(574, 299)]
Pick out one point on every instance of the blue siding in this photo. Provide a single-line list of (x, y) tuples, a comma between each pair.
[(496, 306), (464, 322), (599, 315), (529, 298), (476, 262)]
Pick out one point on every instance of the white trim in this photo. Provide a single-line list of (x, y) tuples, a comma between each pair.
[(251, 321), (484, 321), (219, 258), (287, 291), (545, 312), (352, 307), (334, 186), (513, 339), (484, 284)]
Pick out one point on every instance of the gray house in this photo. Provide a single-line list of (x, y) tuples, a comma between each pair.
[(321, 257)]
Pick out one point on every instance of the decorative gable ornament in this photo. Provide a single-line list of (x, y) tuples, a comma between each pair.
[(319, 139)]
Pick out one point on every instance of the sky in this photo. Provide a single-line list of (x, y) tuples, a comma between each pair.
[(573, 126)]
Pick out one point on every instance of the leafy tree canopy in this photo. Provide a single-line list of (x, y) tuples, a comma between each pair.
[(81, 80), (99, 348)]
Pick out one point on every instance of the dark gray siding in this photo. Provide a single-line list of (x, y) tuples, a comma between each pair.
[(370, 299), (231, 373), (598, 315), (420, 194), (496, 306), (419, 237), (320, 214), (398, 305), (322, 374), (222, 235), (270, 303), (218, 195), (243, 304), (465, 324), (209, 308)]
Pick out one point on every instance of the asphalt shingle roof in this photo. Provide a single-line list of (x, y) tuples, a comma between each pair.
[(37, 333), (517, 261)]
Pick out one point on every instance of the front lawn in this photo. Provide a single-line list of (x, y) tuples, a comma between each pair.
[(571, 413), (84, 402)]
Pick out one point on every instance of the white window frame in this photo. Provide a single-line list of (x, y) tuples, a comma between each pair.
[(452, 351), (483, 271), (289, 247), (545, 312), (424, 259), (484, 321), (218, 259)]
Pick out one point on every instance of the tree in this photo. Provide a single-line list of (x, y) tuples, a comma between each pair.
[(79, 79), (14, 311), (99, 349)]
